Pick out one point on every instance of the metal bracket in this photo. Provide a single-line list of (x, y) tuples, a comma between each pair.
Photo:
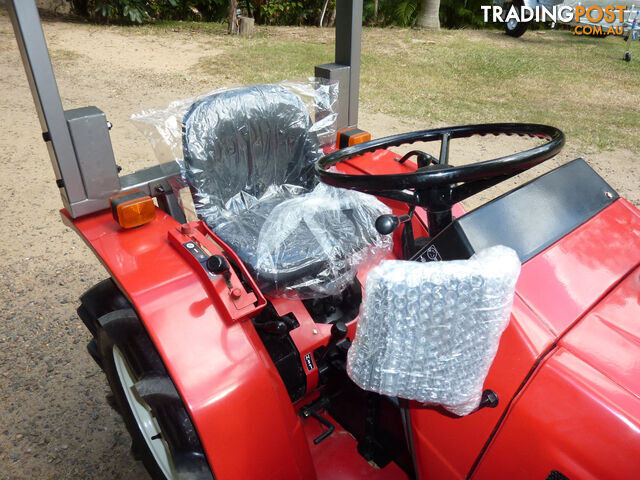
[(346, 68)]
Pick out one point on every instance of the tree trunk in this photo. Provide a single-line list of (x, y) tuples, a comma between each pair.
[(332, 19), (324, 10), (233, 18), (429, 15), (246, 25), (375, 11)]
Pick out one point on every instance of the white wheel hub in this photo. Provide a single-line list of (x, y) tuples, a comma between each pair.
[(147, 423), (512, 24)]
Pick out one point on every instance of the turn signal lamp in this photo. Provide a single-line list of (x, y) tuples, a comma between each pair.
[(351, 137), (132, 209)]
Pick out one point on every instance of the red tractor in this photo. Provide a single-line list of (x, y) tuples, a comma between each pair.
[(224, 366)]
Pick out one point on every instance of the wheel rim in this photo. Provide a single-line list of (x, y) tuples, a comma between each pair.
[(512, 24), (147, 424)]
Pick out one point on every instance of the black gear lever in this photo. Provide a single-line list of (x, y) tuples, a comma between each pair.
[(386, 224)]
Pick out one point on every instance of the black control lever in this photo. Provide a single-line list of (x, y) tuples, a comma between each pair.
[(218, 264), (311, 410), (423, 158), (386, 224)]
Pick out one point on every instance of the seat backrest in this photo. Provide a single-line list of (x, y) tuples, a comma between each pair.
[(246, 139)]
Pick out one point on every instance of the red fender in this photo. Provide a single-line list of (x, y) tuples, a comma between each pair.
[(234, 394)]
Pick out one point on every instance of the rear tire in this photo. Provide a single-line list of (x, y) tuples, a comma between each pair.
[(163, 435), (514, 28)]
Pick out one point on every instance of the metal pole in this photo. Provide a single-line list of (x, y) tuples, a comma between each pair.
[(348, 39), (37, 64), (346, 68)]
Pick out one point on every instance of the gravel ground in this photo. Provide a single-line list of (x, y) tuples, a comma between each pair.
[(55, 421)]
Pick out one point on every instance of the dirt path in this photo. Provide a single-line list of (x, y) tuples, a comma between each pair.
[(55, 422)]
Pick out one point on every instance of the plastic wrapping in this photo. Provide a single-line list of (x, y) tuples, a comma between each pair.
[(248, 155), (244, 139), (312, 245), (430, 331)]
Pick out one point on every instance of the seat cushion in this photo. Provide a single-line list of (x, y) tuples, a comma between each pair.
[(245, 140), (307, 245)]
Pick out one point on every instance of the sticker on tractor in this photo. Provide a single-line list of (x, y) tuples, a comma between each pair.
[(308, 361), (431, 255)]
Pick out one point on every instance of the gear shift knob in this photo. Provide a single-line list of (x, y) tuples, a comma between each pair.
[(386, 224)]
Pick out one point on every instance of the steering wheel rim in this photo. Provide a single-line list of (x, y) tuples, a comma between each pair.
[(443, 176)]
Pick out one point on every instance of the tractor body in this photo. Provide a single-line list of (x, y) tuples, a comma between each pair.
[(565, 373)]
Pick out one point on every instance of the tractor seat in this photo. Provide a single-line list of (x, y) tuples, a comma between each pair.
[(307, 245), (249, 155)]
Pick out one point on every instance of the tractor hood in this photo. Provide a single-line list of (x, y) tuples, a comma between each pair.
[(608, 337), (582, 270)]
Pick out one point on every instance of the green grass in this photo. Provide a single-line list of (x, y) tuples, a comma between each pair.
[(579, 84)]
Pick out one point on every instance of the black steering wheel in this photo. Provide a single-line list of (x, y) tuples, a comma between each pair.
[(436, 185)]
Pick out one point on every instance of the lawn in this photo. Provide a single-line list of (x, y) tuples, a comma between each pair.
[(577, 83)]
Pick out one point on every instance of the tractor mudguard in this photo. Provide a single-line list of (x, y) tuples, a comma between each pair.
[(232, 391)]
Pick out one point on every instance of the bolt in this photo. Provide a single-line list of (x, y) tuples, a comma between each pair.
[(236, 293), (315, 331), (159, 189), (109, 125), (608, 194), (186, 229)]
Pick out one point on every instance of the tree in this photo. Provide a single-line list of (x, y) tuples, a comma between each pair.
[(429, 15), (233, 17)]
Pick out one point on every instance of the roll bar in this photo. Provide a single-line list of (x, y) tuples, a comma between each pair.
[(78, 140)]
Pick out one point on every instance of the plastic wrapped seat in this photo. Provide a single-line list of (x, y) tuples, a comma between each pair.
[(249, 155), (245, 140)]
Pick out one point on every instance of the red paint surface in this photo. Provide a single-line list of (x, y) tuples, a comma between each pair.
[(571, 418), (246, 422), (555, 289), (249, 428)]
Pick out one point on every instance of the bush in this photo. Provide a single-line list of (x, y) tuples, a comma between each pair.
[(291, 12), (139, 11), (453, 13)]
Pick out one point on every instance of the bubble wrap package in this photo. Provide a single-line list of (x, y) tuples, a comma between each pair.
[(430, 331)]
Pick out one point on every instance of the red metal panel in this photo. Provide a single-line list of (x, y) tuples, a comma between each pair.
[(571, 418), (554, 290), (564, 281), (608, 338), (445, 445), (234, 394)]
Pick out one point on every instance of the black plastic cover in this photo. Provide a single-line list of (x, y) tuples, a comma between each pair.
[(528, 219), (245, 140)]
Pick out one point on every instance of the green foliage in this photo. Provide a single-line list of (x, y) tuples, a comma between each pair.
[(291, 12), (453, 13), (391, 12), (139, 11), (134, 11), (404, 13), (461, 13)]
